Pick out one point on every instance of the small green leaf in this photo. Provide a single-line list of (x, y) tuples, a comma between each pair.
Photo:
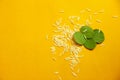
[(87, 31), (79, 38), (98, 36), (90, 44)]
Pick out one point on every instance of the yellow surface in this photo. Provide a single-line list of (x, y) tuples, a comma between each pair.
[(25, 54)]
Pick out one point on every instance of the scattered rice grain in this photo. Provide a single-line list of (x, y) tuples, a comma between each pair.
[(72, 22), (102, 44), (59, 77), (89, 10), (82, 11), (95, 13), (90, 17), (53, 58), (101, 11), (74, 74), (72, 68), (54, 25), (115, 16), (78, 71), (98, 21), (68, 58), (88, 22), (62, 11), (56, 73), (47, 37), (78, 18), (53, 49)]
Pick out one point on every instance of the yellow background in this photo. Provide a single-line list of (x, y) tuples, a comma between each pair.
[(25, 54)]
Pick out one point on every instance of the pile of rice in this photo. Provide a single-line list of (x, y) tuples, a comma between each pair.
[(64, 38)]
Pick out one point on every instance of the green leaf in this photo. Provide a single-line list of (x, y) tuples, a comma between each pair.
[(79, 38), (90, 44), (98, 36), (87, 31)]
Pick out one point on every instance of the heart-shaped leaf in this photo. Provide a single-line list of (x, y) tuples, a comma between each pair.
[(87, 31), (90, 44), (98, 36), (79, 38)]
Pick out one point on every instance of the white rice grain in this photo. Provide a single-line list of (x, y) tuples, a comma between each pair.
[(89, 10), (68, 58), (72, 22), (72, 68), (58, 22), (74, 62), (101, 11), (90, 17), (115, 17), (54, 59), (74, 74), (98, 21), (82, 11), (74, 49), (62, 11), (53, 49), (102, 44), (88, 22), (54, 25), (78, 71), (95, 13), (78, 18), (56, 73), (59, 77), (47, 37)]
